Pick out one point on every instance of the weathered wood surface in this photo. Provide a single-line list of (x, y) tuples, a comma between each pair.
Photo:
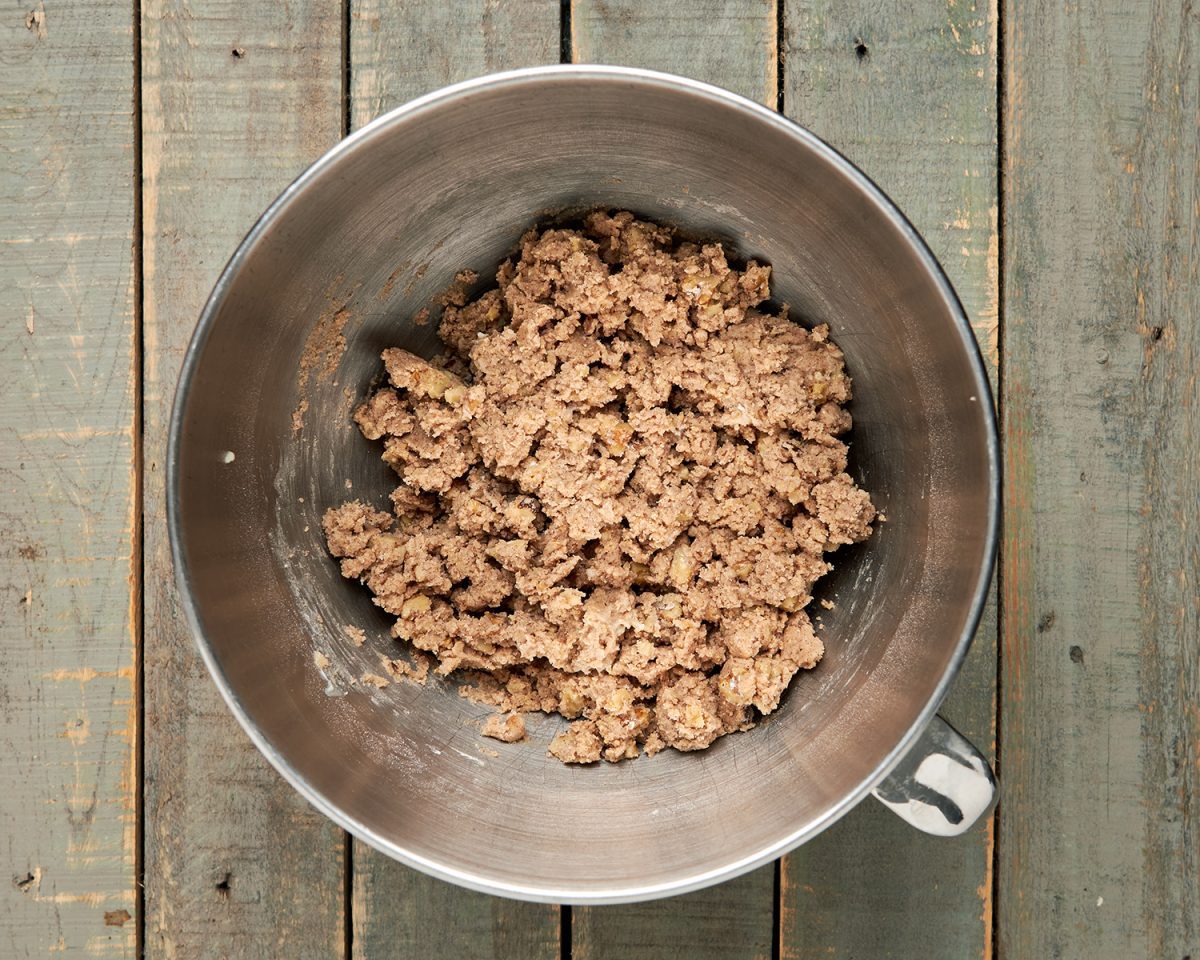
[(401, 50), (733, 44), (732, 921), (1099, 844), (908, 92), (236, 100), (398, 912), (397, 52), (1097, 852), (69, 562)]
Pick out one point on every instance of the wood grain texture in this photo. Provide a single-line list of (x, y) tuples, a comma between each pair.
[(237, 99), (908, 91), (403, 914), (1100, 834), (68, 563), (399, 50), (727, 922), (731, 43), (1098, 852)]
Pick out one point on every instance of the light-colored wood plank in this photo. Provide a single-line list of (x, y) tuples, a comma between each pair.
[(731, 43), (908, 91), (399, 51), (68, 565), (237, 98), (1099, 845)]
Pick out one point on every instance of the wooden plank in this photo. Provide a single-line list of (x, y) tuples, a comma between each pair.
[(236, 99), (731, 43), (401, 913), (68, 566), (1099, 852), (732, 920), (908, 92), (399, 51)]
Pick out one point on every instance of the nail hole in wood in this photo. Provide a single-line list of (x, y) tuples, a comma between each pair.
[(1076, 654), (224, 884), (860, 49), (1156, 333), (238, 53), (1046, 622)]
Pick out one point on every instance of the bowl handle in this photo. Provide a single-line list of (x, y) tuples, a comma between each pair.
[(942, 786)]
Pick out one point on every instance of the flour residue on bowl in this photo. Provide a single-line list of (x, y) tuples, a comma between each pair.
[(323, 351)]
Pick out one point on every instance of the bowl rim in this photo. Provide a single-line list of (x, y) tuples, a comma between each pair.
[(360, 139)]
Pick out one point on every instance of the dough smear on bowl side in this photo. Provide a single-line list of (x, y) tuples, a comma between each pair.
[(618, 488)]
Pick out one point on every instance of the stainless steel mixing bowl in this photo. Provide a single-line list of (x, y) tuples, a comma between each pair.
[(367, 236)]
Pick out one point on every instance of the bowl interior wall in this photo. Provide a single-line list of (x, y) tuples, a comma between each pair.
[(369, 240)]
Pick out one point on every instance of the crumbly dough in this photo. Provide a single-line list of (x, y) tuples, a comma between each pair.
[(417, 671), (618, 488), (509, 729)]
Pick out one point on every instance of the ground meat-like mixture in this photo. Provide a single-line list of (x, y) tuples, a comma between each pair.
[(617, 490)]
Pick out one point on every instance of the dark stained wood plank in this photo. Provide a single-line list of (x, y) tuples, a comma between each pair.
[(732, 44), (68, 563), (908, 91), (401, 913), (237, 99), (1099, 844), (729, 921), (399, 51)]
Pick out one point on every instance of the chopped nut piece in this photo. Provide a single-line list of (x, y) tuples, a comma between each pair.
[(682, 567), (571, 701), (509, 728), (414, 606), (579, 743)]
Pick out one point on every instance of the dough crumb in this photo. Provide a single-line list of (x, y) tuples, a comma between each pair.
[(375, 680), (417, 671), (617, 489), (356, 634), (509, 729), (579, 743)]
